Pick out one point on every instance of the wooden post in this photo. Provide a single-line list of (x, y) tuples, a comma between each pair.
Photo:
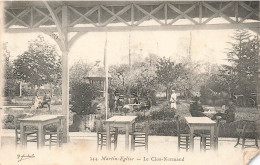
[(65, 74), (65, 94), (106, 70), (258, 81)]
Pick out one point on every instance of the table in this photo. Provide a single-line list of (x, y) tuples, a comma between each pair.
[(209, 113), (40, 122), (123, 122), (135, 106), (201, 123)]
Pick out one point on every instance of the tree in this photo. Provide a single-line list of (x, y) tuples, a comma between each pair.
[(79, 71), (168, 73), (242, 72), (11, 83), (82, 95), (119, 74), (40, 64)]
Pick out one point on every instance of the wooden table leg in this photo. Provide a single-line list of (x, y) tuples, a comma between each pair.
[(40, 142), (132, 138), (212, 130), (115, 138), (22, 134), (58, 133), (127, 137), (191, 139), (108, 136)]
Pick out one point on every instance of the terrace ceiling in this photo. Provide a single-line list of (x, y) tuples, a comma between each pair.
[(86, 16)]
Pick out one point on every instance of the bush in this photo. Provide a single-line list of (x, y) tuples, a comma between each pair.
[(164, 114), (140, 117), (82, 95), (163, 128)]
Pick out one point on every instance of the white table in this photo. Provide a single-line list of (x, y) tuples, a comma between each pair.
[(134, 106), (120, 122), (201, 123), (209, 113), (40, 122)]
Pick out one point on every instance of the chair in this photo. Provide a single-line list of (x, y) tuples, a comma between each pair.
[(248, 130), (139, 137), (102, 135), (205, 138), (55, 134), (31, 134), (183, 136)]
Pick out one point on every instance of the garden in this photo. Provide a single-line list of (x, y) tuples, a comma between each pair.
[(160, 117), (151, 77)]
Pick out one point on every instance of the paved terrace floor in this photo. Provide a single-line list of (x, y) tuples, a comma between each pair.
[(82, 149)]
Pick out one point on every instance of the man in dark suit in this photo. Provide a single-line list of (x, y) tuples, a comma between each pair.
[(196, 109)]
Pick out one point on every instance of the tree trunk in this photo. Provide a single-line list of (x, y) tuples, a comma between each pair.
[(20, 89), (51, 90), (167, 93)]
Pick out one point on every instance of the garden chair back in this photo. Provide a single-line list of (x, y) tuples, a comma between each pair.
[(183, 135), (102, 135), (248, 129), (31, 134), (139, 137), (205, 138)]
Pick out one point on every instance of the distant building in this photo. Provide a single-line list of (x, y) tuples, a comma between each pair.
[(98, 78)]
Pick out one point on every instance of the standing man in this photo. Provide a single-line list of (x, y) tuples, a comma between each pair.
[(112, 101), (173, 100)]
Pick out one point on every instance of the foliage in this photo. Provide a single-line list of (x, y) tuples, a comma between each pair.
[(168, 72), (164, 114), (119, 74), (215, 89), (82, 95), (40, 64), (79, 71), (243, 56), (239, 77), (189, 83), (11, 83), (140, 79), (163, 128)]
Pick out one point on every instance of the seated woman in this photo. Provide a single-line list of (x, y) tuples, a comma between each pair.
[(196, 108), (229, 114)]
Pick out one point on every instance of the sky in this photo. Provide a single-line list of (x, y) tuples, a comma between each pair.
[(206, 45)]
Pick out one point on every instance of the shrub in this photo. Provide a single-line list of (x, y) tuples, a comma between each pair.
[(163, 128), (140, 117), (164, 114), (82, 95)]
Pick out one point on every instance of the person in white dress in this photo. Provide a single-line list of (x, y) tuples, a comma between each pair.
[(173, 100), (36, 103)]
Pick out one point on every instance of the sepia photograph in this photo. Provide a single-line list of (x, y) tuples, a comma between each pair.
[(129, 82)]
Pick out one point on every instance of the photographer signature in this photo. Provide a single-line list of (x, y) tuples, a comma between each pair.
[(24, 157)]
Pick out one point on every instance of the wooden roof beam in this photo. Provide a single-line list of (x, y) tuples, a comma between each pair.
[(56, 20)]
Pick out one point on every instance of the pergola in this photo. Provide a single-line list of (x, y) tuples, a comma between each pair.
[(66, 21)]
